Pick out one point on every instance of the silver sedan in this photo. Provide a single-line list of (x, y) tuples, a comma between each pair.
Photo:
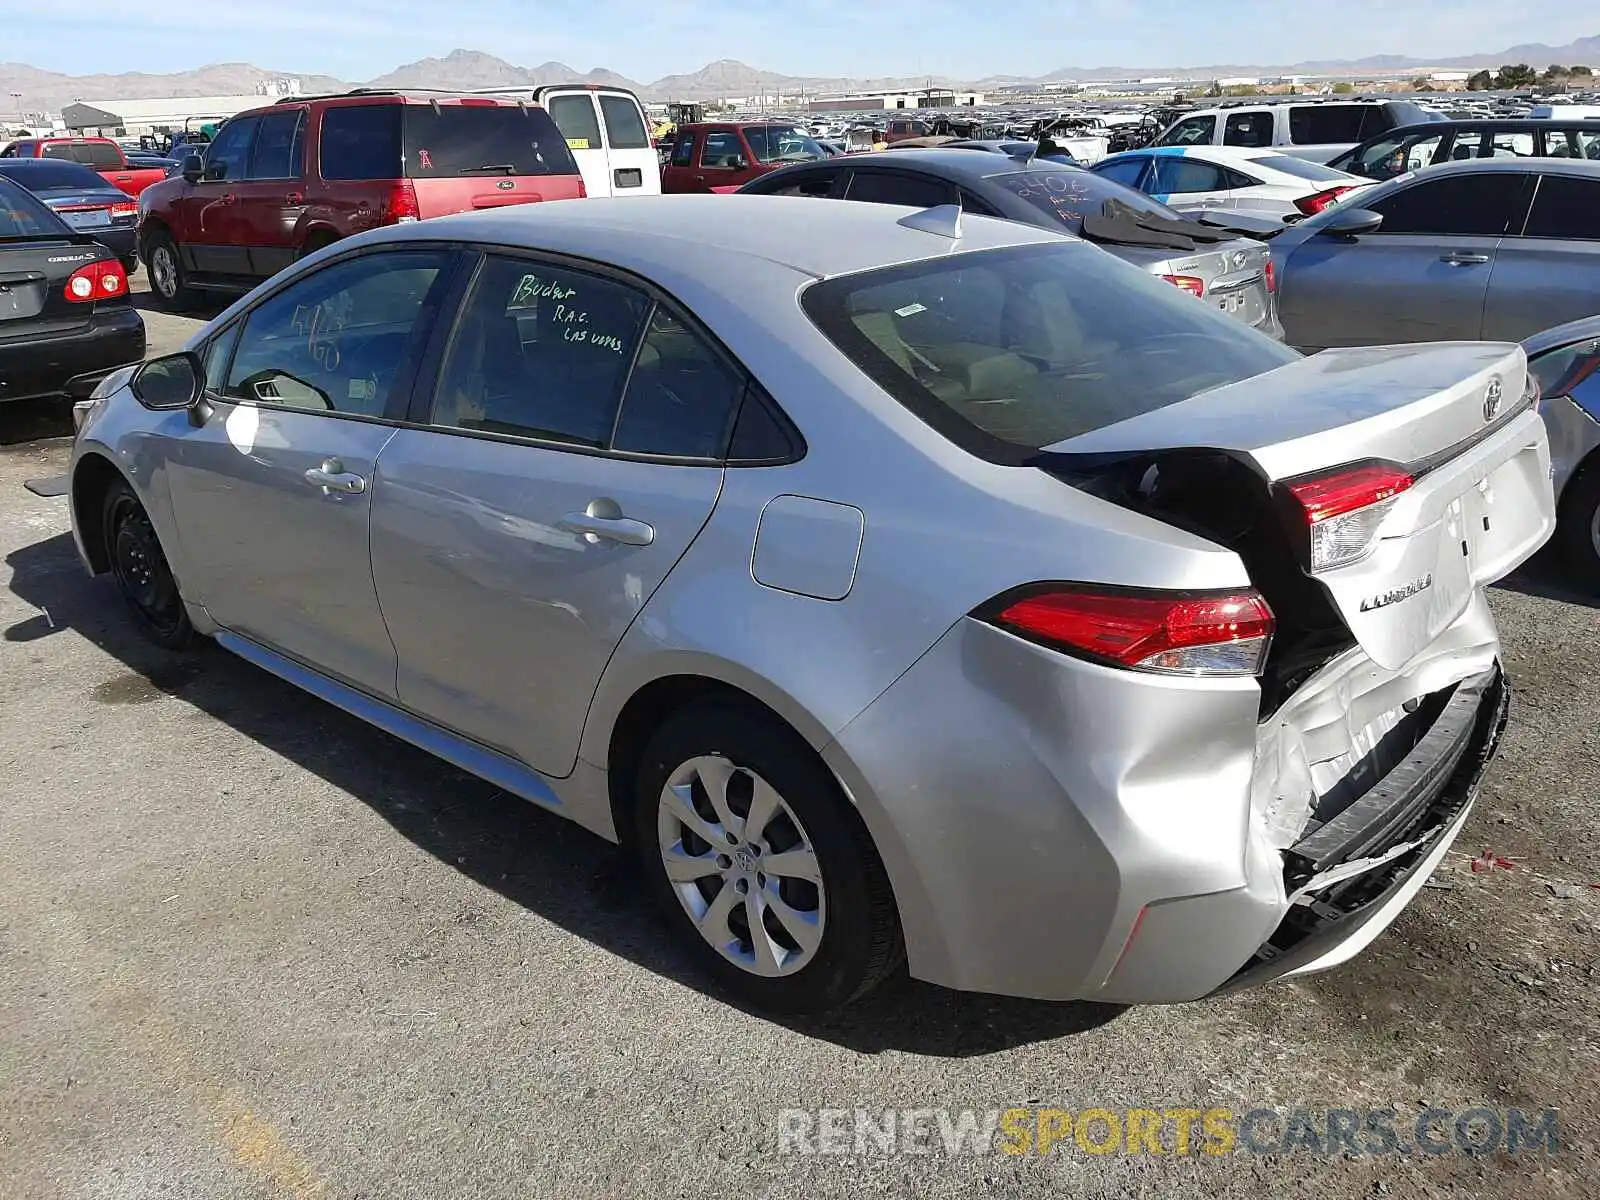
[(1485, 248), (904, 588)]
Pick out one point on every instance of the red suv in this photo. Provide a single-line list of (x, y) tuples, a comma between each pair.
[(280, 182), (722, 156)]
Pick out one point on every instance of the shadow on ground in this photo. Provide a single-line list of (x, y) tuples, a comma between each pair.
[(531, 857)]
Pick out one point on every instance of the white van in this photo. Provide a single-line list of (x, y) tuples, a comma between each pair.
[(605, 128)]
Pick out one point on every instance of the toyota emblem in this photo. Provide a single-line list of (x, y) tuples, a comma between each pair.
[(1492, 397), (505, 185)]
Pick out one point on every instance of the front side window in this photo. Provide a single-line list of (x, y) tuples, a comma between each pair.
[(1194, 131), (1125, 171), (229, 155), (1009, 351), (1456, 206), (335, 341), (783, 144), (1248, 129), (1395, 155), (815, 183), (722, 151), (540, 352), (360, 141), (278, 151), (575, 117)]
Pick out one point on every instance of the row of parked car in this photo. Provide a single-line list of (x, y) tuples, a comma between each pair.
[(1492, 244)]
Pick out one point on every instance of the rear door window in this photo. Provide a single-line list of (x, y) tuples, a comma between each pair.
[(1248, 129), (888, 187), (361, 141), (1565, 207), (821, 184), (1172, 175), (1572, 143), (279, 148), (1458, 205), (624, 125), (455, 140), (1511, 145), (681, 398), (1321, 124), (540, 352), (574, 115), (683, 150)]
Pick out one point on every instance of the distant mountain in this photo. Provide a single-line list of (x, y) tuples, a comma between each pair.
[(725, 77)]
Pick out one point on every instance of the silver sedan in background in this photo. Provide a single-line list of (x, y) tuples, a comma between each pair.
[(1566, 363), (898, 588), (1486, 248)]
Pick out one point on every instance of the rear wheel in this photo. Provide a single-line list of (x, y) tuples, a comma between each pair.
[(168, 280), (1578, 530), (140, 567), (130, 265), (760, 863)]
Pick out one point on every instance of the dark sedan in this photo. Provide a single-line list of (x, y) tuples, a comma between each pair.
[(82, 198), (1214, 265), (65, 316), (1412, 147)]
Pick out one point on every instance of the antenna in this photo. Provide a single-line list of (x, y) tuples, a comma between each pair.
[(943, 220)]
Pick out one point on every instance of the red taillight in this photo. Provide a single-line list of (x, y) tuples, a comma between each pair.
[(1172, 633), (1270, 274), (401, 206), (1312, 205), (583, 192), (1192, 284), (97, 281), (1344, 508)]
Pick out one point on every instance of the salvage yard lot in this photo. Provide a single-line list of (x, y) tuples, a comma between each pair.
[(252, 947)]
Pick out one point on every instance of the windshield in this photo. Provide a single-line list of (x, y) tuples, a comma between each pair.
[(42, 174), (1008, 351), (1300, 168), (782, 143), (23, 216), (1069, 196)]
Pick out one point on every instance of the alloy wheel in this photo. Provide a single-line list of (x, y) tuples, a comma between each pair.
[(164, 271), (742, 866)]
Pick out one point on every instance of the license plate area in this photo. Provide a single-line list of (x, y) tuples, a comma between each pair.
[(92, 218), (20, 298)]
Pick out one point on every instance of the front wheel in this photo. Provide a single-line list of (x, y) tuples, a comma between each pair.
[(1578, 530), (760, 863), (140, 567)]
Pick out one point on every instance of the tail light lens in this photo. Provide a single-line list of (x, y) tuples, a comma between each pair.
[(1312, 205), (1343, 510), (583, 192), (401, 206), (1192, 284), (97, 281), (1170, 633), (1270, 274)]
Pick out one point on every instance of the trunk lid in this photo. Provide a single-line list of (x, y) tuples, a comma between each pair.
[(1233, 275), (33, 278), (1454, 415)]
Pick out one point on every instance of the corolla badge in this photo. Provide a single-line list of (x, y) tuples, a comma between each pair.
[(1384, 599), (1492, 398)]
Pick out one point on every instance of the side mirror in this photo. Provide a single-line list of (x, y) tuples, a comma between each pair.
[(1351, 221), (171, 382), (193, 168), (740, 162)]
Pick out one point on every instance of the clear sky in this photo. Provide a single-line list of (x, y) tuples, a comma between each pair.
[(644, 39)]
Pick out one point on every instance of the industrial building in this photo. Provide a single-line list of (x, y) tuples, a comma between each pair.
[(130, 118), (931, 98)]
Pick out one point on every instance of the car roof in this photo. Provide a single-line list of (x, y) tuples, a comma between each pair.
[(1225, 153), (1580, 167), (1458, 123), (956, 164), (710, 237), (40, 164)]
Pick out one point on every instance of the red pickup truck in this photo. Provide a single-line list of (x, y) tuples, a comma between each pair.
[(100, 154)]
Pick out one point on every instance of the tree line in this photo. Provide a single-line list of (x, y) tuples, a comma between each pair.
[(1521, 75)]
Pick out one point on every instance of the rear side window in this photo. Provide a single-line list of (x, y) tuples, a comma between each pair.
[(540, 352), (575, 117), (683, 150), (361, 141), (454, 140), (21, 215), (1125, 171), (681, 397), (624, 126), (1319, 124), (91, 154), (1193, 131), (1456, 206), (1009, 351), (915, 191), (1248, 129), (1565, 208), (1175, 176)]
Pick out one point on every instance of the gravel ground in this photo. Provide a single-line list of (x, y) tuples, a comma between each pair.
[(250, 947)]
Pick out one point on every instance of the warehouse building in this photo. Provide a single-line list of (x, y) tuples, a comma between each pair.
[(130, 118)]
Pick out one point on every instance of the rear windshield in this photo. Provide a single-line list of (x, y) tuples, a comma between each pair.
[(1319, 124), (42, 175), (451, 140), (94, 154), (1009, 351), (23, 216), (1300, 168), (1068, 195)]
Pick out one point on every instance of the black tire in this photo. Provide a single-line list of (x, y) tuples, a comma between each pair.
[(1576, 528), (861, 943), (164, 268), (139, 565), (316, 242), (130, 265)]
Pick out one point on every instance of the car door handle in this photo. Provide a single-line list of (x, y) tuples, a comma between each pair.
[(1463, 259), (611, 529), (332, 477)]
